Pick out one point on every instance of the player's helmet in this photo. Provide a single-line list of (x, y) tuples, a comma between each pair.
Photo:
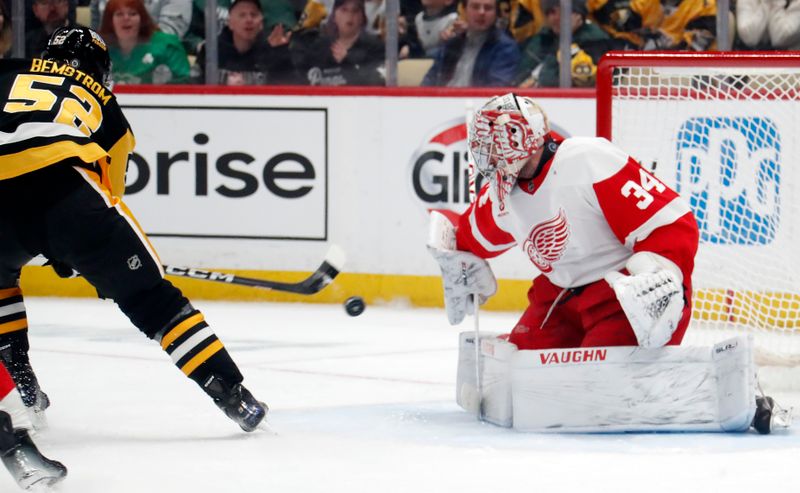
[(504, 134), (81, 48)]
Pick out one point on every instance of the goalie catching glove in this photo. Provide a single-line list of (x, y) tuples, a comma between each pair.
[(651, 297), (464, 274)]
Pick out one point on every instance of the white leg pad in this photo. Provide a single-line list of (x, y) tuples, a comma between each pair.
[(495, 391), (615, 389)]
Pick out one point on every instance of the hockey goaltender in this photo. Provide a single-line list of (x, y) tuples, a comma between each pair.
[(598, 347)]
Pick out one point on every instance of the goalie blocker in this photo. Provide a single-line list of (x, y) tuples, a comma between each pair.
[(611, 389)]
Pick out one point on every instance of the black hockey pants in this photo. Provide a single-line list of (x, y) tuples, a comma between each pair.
[(62, 214)]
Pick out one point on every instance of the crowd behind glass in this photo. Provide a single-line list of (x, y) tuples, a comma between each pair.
[(451, 43)]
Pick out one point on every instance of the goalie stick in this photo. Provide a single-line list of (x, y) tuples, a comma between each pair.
[(324, 275)]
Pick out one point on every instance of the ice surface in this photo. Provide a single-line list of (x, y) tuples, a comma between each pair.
[(360, 404)]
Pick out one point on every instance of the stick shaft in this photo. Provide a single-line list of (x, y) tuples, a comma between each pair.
[(314, 283), (478, 372)]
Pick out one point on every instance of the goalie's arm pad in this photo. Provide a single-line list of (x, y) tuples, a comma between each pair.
[(651, 297), (464, 274)]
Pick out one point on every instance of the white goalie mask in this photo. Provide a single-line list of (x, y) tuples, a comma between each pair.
[(503, 135)]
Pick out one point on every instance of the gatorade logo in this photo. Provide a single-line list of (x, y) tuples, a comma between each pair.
[(439, 168), (729, 169)]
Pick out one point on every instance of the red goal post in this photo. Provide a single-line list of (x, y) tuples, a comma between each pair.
[(723, 129)]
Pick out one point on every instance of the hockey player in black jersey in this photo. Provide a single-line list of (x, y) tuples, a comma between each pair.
[(64, 146)]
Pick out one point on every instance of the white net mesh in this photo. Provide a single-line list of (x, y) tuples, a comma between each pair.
[(726, 139)]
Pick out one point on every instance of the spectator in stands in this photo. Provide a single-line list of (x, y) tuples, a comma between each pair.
[(341, 52), (436, 17), (659, 25), (521, 18), (481, 55), (687, 25), (525, 19), (313, 14), (246, 55), (140, 53), (275, 12), (32, 22), (51, 14), (539, 66), (6, 33), (170, 16), (626, 20), (768, 24)]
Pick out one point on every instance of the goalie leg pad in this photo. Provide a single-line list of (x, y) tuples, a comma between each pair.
[(493, 398), (618, 389)]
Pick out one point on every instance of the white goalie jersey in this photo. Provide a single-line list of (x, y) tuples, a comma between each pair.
[(588, 209)]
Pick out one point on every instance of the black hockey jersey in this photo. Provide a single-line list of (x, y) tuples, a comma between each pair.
[(52, 112)]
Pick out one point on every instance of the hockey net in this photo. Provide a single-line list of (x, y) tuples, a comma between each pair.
[(723, 129)]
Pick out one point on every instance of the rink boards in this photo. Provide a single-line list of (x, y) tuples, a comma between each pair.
[(261, 184)]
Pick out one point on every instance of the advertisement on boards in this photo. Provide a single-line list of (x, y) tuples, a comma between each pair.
[(235, 172), (267, 182)]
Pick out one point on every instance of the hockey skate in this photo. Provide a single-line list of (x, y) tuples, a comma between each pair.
[(770, 415), (30, 469), (236, 402)]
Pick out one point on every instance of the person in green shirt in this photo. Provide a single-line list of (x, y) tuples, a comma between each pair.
[(140, 53), (539, 65)]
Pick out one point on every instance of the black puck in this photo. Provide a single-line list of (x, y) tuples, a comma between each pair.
[(354, 306)]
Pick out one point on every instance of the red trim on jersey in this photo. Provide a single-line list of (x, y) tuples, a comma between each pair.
[(620, 200), (487, 227), (6, 382)]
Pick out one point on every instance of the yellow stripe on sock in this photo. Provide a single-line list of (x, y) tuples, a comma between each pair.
[(9, 292), (14, 326), (202, 357), (180, 329)]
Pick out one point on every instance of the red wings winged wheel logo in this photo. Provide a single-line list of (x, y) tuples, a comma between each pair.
[(547, 241)]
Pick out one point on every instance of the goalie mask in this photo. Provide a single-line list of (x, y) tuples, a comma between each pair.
[(503, 135)]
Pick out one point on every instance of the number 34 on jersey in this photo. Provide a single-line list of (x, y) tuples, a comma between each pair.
[(641, 190)]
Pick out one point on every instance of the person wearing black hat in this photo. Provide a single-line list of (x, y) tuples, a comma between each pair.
[(247, 56), (539, 66)]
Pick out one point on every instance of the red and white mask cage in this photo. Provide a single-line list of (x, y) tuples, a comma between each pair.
[(504, 134)]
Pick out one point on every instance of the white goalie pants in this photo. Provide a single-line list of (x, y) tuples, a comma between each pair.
[(609, 389)]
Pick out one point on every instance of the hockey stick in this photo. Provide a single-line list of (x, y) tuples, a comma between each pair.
[(314, 283), (473, 192), (324, 275), (478, 372)]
